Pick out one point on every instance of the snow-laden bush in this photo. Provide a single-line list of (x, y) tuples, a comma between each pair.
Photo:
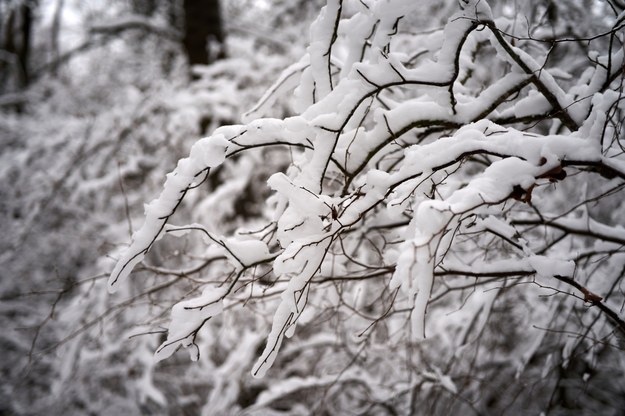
[(473, 173), (447, 234)]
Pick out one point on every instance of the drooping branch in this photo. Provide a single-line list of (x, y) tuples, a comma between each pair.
[(559, 108)]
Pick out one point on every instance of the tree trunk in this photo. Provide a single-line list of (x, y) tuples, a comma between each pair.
[(15, 43), (203, 36)]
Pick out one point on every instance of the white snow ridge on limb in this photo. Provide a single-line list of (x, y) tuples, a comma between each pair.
[(187, 317), (206, 153)]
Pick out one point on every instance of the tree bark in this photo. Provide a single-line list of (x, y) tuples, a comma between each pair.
[(15, 43), (203, 35)]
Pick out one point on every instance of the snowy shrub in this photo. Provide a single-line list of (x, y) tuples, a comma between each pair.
[(422, 215), (76, 166), (447, 233)]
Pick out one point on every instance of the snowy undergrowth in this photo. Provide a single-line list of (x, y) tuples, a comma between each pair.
[(76, 168), (442, 233)]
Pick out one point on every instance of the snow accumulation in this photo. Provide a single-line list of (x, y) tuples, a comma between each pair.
[(362, 143)]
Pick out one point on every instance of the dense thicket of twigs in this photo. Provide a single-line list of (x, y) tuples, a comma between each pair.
[(409, 221)]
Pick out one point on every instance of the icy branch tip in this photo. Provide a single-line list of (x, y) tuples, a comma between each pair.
[(121, 271)]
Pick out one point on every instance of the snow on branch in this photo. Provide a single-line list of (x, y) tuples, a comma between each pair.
[(135, 22), (412, 170)]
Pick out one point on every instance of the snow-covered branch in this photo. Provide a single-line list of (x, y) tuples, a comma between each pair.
[(460, 178)]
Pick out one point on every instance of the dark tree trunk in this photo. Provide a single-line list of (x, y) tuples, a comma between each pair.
[(203, 35), (15, 42)]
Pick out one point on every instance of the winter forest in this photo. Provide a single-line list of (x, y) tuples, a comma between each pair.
[(296, 207)]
